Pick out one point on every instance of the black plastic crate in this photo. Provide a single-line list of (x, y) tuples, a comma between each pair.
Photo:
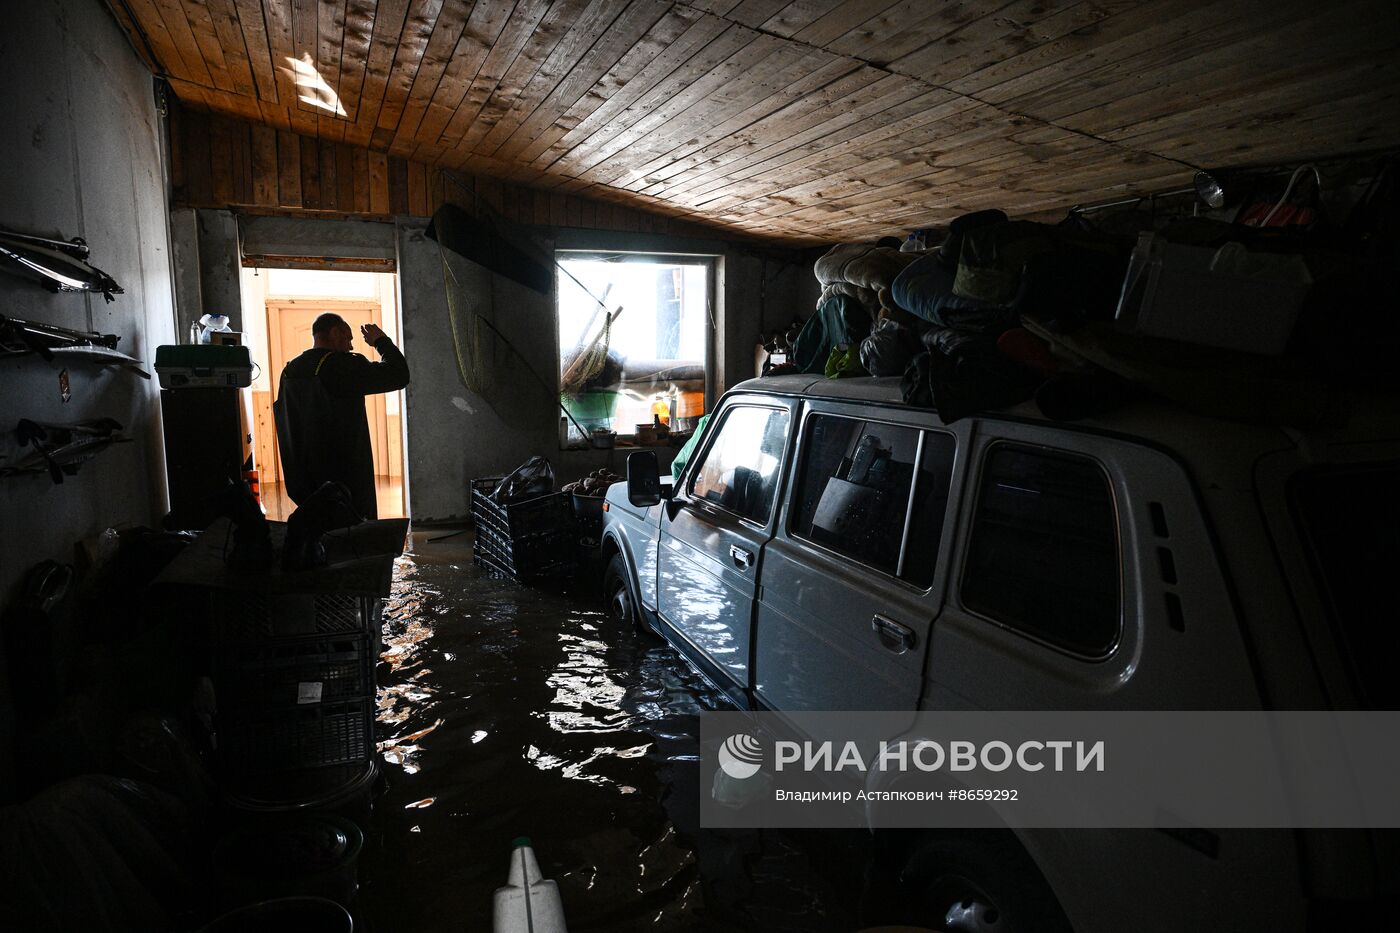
[(296, 737), (293, 673), (523, 540), (547, 554), (549, 512), (254, 616)]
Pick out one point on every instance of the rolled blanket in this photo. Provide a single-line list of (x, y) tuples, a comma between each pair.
[(872, 267), (865, 297)]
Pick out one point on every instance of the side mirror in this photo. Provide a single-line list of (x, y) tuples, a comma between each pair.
[(644, 479)]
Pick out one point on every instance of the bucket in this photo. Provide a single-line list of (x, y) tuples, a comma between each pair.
[(285, 915), (588, 512), (301, 855), (592, 409), (690, 405), (344, 789)]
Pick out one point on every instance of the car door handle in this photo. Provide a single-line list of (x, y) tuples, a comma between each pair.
[(740, 556), (893, 636)]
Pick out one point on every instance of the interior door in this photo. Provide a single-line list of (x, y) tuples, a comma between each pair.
[(290, 332), (850, 588), (714, 532)]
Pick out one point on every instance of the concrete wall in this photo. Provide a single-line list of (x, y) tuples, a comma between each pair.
[(207, 265), (454, 435), (82, 156)]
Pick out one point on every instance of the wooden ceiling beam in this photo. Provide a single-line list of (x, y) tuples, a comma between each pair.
[(793, 118)]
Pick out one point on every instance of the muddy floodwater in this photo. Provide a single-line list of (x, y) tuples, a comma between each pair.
[(508, 711)]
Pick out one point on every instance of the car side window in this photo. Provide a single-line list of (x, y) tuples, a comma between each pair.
[(740, 469), (1043, 556), (853, 492)]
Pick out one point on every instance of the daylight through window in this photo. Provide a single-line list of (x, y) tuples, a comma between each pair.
[(633, 333)]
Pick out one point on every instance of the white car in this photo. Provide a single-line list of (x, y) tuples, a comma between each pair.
[(828, 547)]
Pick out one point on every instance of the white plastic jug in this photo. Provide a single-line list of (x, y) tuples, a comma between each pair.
[(527, 903), (211, 323)]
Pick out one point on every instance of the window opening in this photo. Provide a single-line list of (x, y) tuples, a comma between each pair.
[(633, 335)]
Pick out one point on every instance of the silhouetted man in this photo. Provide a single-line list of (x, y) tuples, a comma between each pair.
[(322, 429)]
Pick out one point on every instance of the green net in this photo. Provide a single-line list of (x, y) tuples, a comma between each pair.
[(473, 340)]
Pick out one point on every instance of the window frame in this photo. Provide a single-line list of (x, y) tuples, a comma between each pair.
[(711, 262), (686, 481), (974, 500), (799, 461)]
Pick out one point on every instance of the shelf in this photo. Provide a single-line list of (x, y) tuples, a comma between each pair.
[(97, 356)]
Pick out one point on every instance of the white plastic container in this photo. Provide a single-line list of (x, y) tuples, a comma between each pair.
[(1230, 298), (528, 903)]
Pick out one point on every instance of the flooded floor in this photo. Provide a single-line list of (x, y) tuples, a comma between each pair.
[(508, 711)]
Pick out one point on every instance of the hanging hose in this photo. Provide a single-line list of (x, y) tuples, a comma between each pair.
[(472, 382)]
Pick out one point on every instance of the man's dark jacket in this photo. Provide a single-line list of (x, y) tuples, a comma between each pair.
[(322, 429)]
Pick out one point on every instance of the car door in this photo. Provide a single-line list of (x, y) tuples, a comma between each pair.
[(714, 530), (852, 581), (1084, 577)]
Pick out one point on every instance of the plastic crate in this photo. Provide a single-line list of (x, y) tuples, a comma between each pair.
[(294, 673), (523, 540), (515, 520), (250, 615), (296, 737), (547, 554)]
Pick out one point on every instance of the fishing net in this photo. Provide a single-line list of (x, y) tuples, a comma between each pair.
[(588, 361), (483, 354), (476, 343)]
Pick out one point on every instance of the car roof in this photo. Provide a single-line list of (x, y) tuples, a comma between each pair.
[(1205, 441)]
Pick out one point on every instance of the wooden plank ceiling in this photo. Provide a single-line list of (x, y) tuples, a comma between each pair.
[(802, 120)]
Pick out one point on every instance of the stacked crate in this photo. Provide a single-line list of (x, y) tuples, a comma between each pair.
[(294, 678), (523, 540)]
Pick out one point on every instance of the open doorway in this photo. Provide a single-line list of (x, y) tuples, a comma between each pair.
[(279, 306)]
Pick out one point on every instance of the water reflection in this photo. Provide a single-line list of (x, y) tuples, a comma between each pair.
[(506, 711), (713, 614)]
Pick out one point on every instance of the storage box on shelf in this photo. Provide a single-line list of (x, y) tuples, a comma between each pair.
[(523, 540), (1231, 297)]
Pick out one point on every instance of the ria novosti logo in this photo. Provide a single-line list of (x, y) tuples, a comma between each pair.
[(741, 756)]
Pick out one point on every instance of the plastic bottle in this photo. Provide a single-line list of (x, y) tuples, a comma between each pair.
[(528, 903), (212, 323), (864, 458)]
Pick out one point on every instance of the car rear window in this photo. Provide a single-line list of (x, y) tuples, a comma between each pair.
[(1043, 557), (1350, 521), (853, 493)]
